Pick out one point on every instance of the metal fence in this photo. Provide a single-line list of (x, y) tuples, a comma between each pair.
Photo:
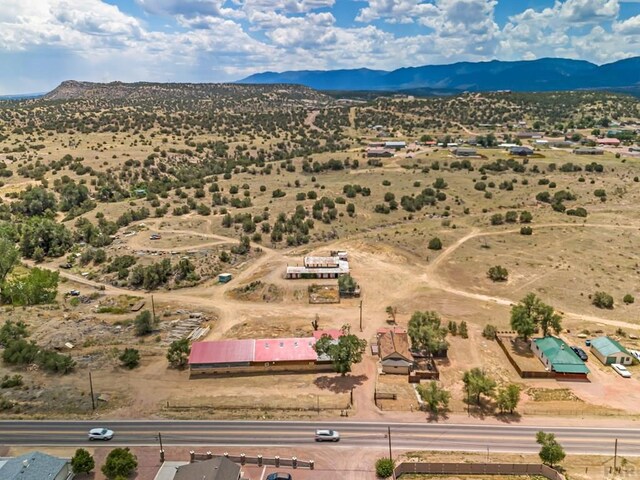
[(478, 469)]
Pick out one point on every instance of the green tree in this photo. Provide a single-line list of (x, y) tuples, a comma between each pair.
[(346, 283), (435, 398), (53, 238), (119, 462), (463, 330), (530, 313), (477, 383), (82, 461), (384, 467), (602, 300), (37, 287), (526, 217), (143, 323), (345, 352), (9, 256), (628, 299), (508, 398), (11, 331), (498, 273), (551, 452), (130, 358), (435, 244), (426, 332), (178, 353)]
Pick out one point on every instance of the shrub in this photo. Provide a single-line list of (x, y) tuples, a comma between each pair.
[(143, 323), (602, 300), (82, 461), (130, 358), (497, 219), (628, 299), (526, 217), (498, 273), (489, 332), (526, 230), (511, 217), (435, 244), (120, 462), (480, 186), (384, 467)]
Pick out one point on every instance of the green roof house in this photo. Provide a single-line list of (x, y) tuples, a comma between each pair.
[(608, 351), (557, 357)]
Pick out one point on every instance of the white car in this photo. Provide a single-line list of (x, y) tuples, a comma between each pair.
[(621, 369), (100, 434), (327, 436)]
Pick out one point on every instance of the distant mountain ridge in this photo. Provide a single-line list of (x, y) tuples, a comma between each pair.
[(546, 74)]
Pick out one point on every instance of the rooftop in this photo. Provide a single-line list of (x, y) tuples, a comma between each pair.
[(562, 358), (394, 342), (607, 346), (219, 468), (285, 350), (31, 466), (224, 351)]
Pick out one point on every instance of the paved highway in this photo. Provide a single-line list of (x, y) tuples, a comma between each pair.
[(219, 434)]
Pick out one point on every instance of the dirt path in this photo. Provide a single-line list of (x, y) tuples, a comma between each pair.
[(431, 278), (311, 118)]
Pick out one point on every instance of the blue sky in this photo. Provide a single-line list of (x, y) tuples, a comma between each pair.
[(43, 42)]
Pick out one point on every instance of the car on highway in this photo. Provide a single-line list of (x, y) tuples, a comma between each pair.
[(100, 434), (327, 436), (582, 355), (279, 476), (621, 369)]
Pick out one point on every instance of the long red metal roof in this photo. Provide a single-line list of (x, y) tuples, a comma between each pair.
[(285, 350), (222, 351)]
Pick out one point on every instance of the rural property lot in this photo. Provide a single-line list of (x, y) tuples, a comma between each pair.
[(281, 174)]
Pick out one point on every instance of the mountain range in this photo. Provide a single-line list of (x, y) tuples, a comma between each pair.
[(546, 74)]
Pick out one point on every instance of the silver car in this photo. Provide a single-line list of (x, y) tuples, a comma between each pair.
[(100, 434), (327, 436)]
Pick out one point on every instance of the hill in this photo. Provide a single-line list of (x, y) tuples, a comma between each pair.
[(547, 74), (141, 91)]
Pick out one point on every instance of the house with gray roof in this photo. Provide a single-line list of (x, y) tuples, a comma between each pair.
[(35, 466)]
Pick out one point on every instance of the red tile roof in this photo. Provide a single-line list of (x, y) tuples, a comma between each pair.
[(223, 351), (285, 350)]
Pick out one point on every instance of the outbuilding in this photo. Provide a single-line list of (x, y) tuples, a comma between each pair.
[(225, 277), (608, 351)]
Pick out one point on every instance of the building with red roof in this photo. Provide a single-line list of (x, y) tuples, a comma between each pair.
[(256, 356)]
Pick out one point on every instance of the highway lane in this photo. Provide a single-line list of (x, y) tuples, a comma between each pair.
[(419, 436)]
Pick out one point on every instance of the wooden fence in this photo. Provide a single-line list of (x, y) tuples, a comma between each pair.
[(523, 373), (477, 469), (258, 460)]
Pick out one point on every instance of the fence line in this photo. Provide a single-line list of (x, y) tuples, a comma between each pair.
[(478, 469)]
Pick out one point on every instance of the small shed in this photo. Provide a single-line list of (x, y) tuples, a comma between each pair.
[(608, 351), (225, 277)]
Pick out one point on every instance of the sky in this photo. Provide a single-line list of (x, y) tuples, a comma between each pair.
[(43, 42)]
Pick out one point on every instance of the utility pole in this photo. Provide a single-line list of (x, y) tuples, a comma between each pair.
[(361, 315), (615, 457), (153, 309), (468, 403), (160, 440), (389, 436), (93, 402)]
